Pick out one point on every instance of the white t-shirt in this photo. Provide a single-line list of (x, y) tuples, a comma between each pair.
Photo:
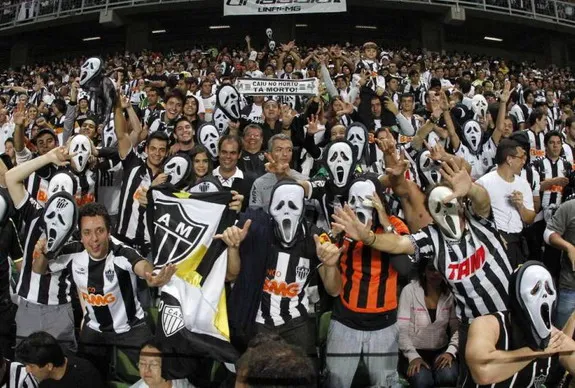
[(507, 218)]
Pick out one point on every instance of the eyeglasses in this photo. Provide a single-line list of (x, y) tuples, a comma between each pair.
[(151, 366), (523, 157)]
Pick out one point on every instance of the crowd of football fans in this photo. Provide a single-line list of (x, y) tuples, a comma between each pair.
[(389, 123)]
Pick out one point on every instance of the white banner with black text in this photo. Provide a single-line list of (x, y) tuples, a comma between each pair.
[(280, 7), (277, 87)]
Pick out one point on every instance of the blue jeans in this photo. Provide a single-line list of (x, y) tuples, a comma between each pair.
[(565, 306), (444, 377)]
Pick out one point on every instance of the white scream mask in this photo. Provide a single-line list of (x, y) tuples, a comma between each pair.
[(479, 105), (269, 33), (81, 148), (339, 161), (62, 181), (89, 70), (221, 120), (178, 168), (429, 168), (209, 137), (445, 215), (357, 135), (272, 45), (60, 218), (286, 208), (359, 202), (533, 298), (472, 133), (228, 99), (110, 139)]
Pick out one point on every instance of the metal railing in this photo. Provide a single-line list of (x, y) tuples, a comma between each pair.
[(35, 11)]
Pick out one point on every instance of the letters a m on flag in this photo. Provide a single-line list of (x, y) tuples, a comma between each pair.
[(175, 233)]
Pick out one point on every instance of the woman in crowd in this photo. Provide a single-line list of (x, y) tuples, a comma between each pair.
[(428, 330), (150, 367)]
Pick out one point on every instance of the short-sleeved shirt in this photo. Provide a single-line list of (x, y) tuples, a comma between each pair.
[(507, 217), (563, 223), (131, 227), (107, 287), (475, 267)]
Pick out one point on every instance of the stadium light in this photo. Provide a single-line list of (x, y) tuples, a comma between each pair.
[(493, 39), (301, 25), (366, 27), (158, 31), (91, 38), (219, 27)]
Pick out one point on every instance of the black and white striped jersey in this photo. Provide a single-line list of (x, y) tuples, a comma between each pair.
[(537, 143), (48, 289), (107, 287), (15, 376), (287, 274), (548, 169), (476, 267), (131, 228), (568, 152), (149, 114)]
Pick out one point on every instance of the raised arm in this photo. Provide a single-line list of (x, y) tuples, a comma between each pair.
[(487, 364), (124, 142), (346, 219), (502, 113), (16, 176)]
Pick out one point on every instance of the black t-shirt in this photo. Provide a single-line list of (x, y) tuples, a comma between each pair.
[(79, 373)]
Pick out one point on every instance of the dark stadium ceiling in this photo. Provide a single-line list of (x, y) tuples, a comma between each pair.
[(187, 24)]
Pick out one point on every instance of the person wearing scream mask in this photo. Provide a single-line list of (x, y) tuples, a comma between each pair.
[(365, 312), (271, 252), (520, 347), (462, 243)]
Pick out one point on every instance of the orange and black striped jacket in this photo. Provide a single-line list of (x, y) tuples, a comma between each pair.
[(369, 280)]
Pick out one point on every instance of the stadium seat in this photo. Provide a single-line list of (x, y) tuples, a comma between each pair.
[(124, 369), (152, 318), (119, 384)]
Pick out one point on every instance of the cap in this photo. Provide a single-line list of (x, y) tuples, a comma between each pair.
[(44, 131)]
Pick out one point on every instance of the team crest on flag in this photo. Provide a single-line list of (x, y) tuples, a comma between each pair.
[(193, 312), (176, 233), (172, 319)]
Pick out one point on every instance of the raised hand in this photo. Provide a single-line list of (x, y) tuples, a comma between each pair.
[(60, 156), (237, 200), (162, 277), (233, 236), (312, 125), (275, 167), (400, 167), (504, 97), (346, 219), (458, 179), (327, 252)]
